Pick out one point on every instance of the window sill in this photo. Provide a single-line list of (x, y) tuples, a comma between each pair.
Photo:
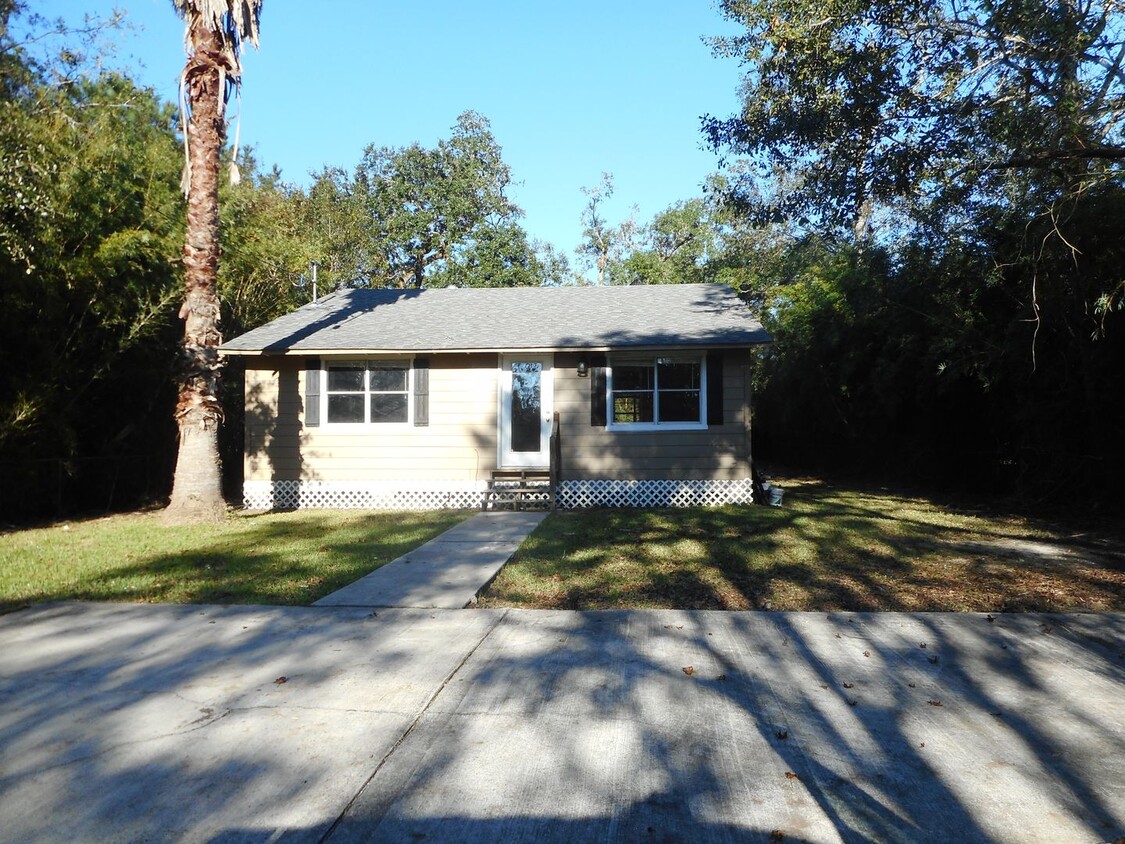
[(355, 427), (656, 426)]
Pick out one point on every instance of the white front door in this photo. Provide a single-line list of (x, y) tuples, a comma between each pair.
[(525, 411)]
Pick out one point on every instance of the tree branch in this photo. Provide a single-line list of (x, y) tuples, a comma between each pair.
[(1042, 158)]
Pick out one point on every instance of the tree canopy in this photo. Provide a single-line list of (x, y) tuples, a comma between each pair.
[(927, 107), (90, 240), (950, 179), (418, 217)]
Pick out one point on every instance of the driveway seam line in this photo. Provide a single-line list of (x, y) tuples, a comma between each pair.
[(414, 723)]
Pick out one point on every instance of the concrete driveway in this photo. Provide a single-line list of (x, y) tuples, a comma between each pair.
[(152, 723)]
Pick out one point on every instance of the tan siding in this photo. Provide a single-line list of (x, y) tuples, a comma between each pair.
[(594, 452), (460, 441), (458, 444), (273, 407)]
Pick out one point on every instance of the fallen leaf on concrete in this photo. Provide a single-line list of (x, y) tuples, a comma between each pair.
[(688, 670), (281, 680)]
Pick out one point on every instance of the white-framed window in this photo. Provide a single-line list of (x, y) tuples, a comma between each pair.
[(367, 392), (660, 392)]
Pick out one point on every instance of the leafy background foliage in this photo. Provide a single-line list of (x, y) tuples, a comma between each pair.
[(924, 203)]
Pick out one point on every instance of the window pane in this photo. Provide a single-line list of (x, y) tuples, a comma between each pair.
[(387, 379), (345, 378), (526, 409), (678, 374), (679, 405), (632, 407), (345, 408), (388, 407), (632, 393), (632, 378)]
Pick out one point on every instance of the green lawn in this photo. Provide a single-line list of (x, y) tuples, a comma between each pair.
[(271, 558), (827, 549)]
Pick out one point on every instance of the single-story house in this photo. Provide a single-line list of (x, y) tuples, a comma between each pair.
[(412, 399)]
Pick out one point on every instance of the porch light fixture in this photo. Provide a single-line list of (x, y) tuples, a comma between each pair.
[(583, 368)]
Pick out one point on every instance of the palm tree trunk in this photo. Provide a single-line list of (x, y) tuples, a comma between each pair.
[(197, 487)]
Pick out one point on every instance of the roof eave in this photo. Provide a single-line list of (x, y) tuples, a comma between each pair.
[(468, 350)]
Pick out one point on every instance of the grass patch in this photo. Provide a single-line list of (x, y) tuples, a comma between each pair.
[(828, 549), (270, 558)]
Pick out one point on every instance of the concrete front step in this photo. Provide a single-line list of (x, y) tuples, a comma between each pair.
[(519, 489), (519, 498)]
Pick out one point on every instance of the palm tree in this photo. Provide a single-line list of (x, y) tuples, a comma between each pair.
[(215, 31)]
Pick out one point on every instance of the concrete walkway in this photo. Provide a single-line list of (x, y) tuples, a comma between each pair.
[(221, 724), (447, 572)]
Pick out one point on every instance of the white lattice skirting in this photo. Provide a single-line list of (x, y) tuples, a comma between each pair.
[(366, 495), (438, 495), (698, 493)]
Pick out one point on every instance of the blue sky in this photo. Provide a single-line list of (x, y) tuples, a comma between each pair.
[(571, 89)]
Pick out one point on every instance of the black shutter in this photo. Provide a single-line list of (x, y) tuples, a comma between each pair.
[(714, 389), (597, 392), (421, 392), (312, 392)]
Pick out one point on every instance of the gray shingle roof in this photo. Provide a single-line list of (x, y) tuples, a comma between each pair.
[(510, 318)]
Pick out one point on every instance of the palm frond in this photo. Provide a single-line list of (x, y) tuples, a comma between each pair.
[(234, 21)]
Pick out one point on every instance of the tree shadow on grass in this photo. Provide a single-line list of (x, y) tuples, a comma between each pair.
[(816, 554), (294, 560)]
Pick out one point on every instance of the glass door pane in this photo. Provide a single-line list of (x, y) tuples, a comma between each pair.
[(526, 406)]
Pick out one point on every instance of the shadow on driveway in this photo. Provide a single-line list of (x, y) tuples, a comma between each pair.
[(135, 722)]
